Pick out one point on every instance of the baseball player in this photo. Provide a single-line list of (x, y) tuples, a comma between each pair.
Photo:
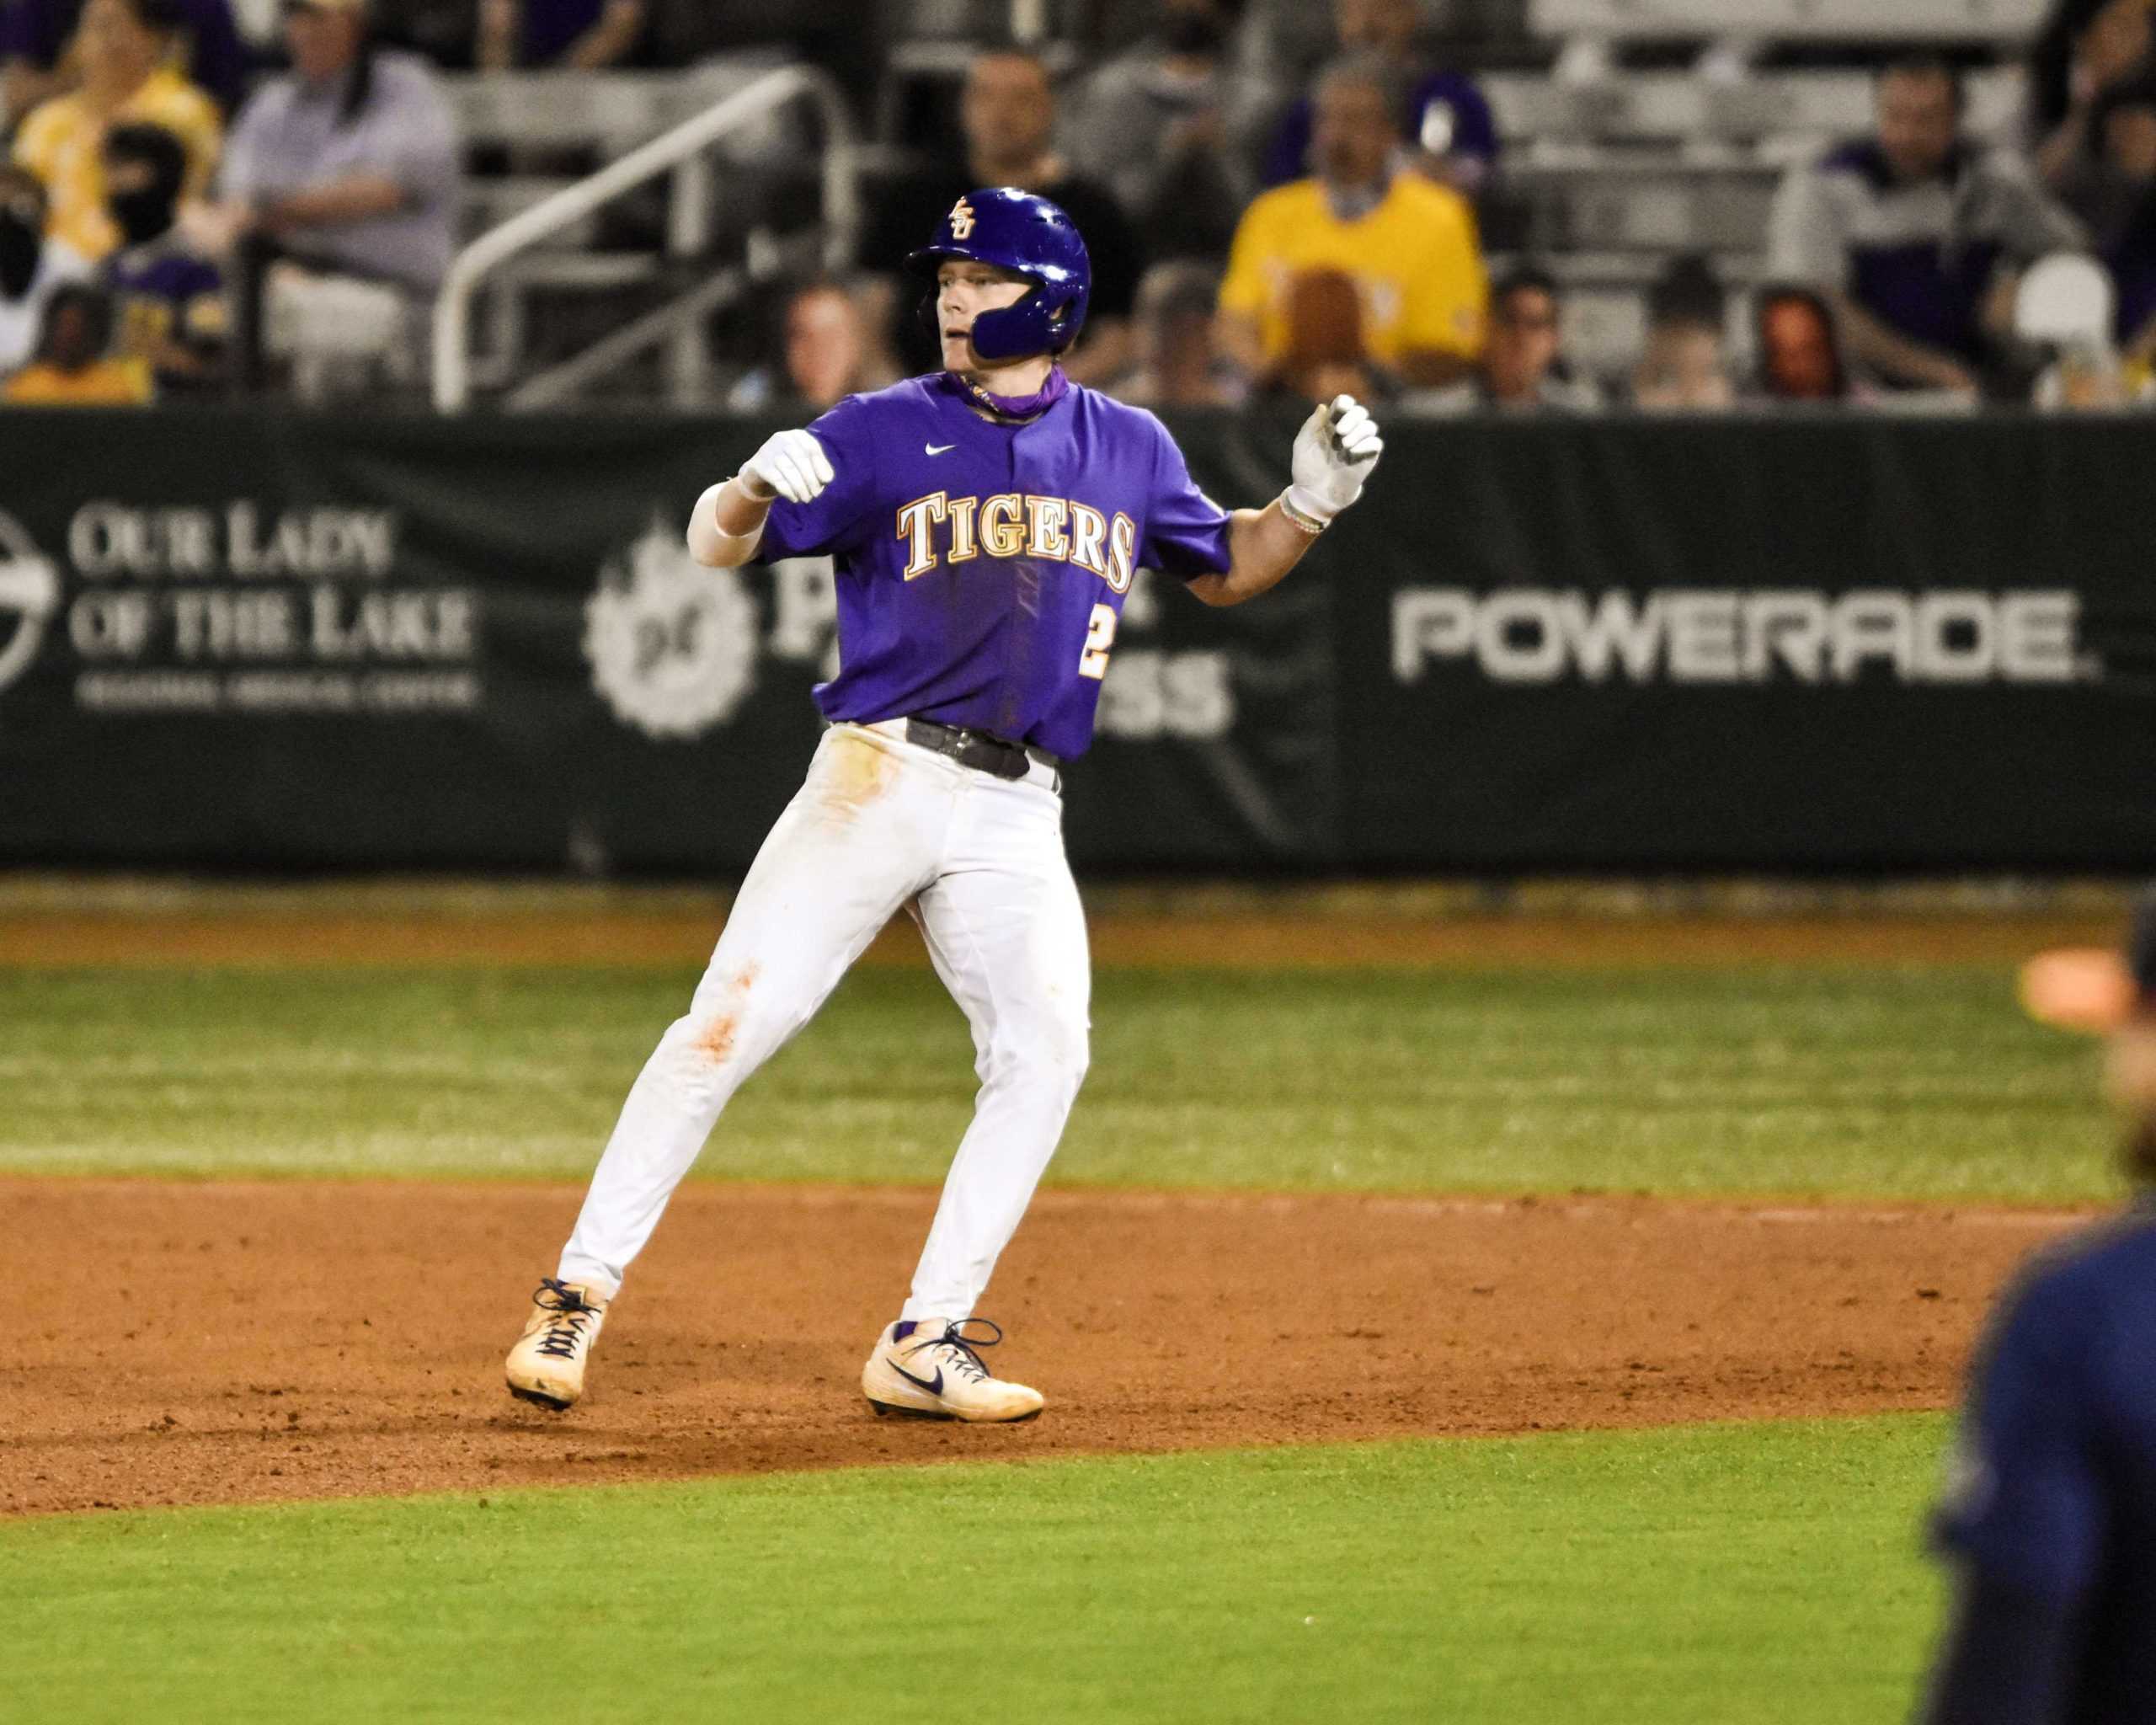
[(2050, 1513), (987, 523)]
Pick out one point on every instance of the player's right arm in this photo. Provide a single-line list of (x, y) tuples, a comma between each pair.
[(727, 525)]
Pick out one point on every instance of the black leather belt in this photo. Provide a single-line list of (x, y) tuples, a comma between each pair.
[(979, 750)]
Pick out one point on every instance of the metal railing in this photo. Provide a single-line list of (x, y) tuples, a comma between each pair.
[(681, 151)]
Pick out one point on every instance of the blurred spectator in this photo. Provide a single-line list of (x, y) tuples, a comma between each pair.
[(1408, 243), (347, 168), (828, 349), (123, 53), (1915, 235), (2106, 188), (1522, 367), (260, 23), (1800, 352), (582, 35), (1684, 367), (1177, 129), (500, 35), (2048, 1517), (1326, 354), (2113, 192), (1450, 132), (2065, 316), (2088, 49), (74, 366), (33, 266), (1178, 364), (170, 302), (1008, 116), (37, 38)]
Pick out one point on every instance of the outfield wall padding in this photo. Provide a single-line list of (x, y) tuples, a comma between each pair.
[(1851, 644)]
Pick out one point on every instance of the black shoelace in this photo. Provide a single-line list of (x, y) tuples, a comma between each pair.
[(969, 1361), (571, 1313)]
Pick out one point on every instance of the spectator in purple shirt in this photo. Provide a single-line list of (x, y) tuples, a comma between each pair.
[(587, 35), (1916, 236), (1451, 134), (34, 35), (504, 36)]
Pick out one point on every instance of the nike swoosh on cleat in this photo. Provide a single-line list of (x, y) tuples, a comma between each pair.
[(939, 449), (933, 1389)]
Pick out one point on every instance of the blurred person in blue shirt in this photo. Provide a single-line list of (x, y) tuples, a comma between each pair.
[(2049, 1515)]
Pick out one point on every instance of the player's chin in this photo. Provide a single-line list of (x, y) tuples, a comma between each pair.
[(958, 353)]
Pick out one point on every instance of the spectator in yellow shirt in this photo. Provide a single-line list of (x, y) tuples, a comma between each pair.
[(1408, 244), (75, 365), (124, 50)]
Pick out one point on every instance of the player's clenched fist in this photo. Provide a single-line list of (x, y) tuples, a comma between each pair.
[(1334, 453), (792, 465)]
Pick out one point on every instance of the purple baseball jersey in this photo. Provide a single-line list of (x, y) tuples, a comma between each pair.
[(982, 566)]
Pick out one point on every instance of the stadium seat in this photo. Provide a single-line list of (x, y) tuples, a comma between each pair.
[(1975, 23)]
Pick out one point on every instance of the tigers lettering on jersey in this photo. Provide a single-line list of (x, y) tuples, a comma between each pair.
[(1014, 524)]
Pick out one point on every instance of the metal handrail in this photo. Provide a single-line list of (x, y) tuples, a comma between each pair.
[(453, 356)]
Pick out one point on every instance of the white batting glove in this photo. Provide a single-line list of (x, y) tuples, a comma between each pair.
[(1334, 453), (792, 465)]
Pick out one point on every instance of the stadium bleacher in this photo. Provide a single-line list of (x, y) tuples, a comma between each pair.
[(1634, 130)]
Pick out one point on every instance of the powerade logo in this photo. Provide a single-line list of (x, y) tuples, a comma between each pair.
[(1706, 636)]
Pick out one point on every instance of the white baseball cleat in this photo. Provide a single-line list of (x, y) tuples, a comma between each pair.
[(929, 1369), (546, 1365)]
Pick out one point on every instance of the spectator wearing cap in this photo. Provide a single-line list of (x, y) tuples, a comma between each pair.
[(1408, 243), (1007, 114), (123, 52), (2048, 1519), (1523, 368), (1177, 128), (36, 37), (1684, 368), (33, 265), (1915, 234), (1179, 364), (1449, 130)]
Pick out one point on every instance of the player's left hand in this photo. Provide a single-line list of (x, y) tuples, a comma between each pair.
[(1334, 453)]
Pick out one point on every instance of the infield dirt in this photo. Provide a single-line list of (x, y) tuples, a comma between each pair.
[(234, 1341)]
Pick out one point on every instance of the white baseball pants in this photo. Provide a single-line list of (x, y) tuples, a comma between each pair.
[(879, 823)]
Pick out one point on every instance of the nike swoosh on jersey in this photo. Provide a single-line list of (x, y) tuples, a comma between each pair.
[(935, 1388), (940, 448)]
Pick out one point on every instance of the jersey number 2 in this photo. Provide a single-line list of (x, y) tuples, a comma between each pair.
[(1099, 637)]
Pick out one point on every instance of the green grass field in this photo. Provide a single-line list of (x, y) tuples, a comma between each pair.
[(1683, 1577), (1711, 1574), (1904, 1082)]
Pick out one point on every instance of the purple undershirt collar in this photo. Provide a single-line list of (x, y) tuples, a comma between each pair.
[(1018, 408)]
